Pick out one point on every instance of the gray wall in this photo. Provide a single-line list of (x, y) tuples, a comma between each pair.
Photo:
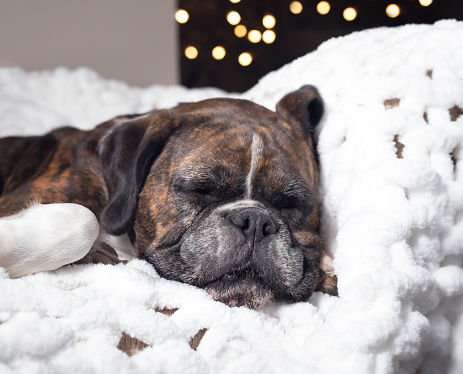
[(130, 40)]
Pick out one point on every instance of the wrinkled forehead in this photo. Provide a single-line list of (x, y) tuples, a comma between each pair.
[(243, 155), (216, 153)]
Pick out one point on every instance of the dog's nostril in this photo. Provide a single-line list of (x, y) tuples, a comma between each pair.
[(269, 228)]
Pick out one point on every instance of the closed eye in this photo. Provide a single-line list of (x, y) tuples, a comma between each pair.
[(198, 193), (294, 206), (285, 202), (194, 185), (192, 190), (291, 201)]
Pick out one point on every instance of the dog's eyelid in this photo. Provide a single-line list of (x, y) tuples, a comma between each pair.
[(295, 194), (294, 202), (289, 205), (194, 186)]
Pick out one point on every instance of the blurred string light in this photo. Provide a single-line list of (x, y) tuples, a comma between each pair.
[(425, 2), (392, 10), (245, 59), (191, 52), (181, 16), (233, 18), (323, 7), (254, 36), (349, 14), (241, 31), (219, 52), (295, 7), (269, 21), (269, 36)]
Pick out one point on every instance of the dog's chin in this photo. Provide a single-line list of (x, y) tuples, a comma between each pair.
[(241, 288)]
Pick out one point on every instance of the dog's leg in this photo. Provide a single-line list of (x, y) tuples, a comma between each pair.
[(46, 237), (109, 249), (100, 253)]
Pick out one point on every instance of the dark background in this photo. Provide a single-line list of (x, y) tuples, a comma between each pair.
[(296, 34)]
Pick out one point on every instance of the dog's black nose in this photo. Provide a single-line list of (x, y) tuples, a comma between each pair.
[(256, 223)]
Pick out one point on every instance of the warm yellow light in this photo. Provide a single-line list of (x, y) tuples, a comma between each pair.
[(245, 59), (233, 18), (191, 52), (349, 14), (323, 7), (241, 31), (425, 2), (254, 36), (234, 1), (269, 21), (295, 7), (268, 36), (218, 52), (392, 10), (181, 16)]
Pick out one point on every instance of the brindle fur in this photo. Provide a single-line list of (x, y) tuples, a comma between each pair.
[(127, 172), (59, 167)]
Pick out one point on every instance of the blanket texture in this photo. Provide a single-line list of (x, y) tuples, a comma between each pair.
[(391, 155)]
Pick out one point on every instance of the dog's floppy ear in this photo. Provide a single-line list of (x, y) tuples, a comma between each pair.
[(126, 155), (305, 106)]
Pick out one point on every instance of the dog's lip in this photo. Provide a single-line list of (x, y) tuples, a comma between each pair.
[(239, 273), (241, 287), (234, 275)]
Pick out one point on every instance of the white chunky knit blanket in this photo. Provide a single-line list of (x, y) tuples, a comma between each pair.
[(391, 153)]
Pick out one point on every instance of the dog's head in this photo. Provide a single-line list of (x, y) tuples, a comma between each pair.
[(221, 194)]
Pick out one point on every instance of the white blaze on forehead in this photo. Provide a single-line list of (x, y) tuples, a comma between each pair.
[(256, 154), (241, 204)]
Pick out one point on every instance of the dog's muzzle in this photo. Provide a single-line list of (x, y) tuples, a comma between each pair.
[(243, 254)]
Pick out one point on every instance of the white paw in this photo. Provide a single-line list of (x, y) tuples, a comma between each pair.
[(46, 237)]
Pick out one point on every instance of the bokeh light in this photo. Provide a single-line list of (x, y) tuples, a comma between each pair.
[(191, 52), (181, 16), (323, 7), (241, 31), (349, 14), (269, 36), (245, 59), (219, 52), (392, 10), (425, 2), (254, 36), (233, 18), (269, 21), (295, 7)]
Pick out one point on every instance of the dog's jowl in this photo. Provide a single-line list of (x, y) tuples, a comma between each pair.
[(220, 194)]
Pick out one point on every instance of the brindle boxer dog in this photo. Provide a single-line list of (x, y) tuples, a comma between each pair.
[(220, 194)]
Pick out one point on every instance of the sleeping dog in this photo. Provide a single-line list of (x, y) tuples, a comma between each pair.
[(220, 194)]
